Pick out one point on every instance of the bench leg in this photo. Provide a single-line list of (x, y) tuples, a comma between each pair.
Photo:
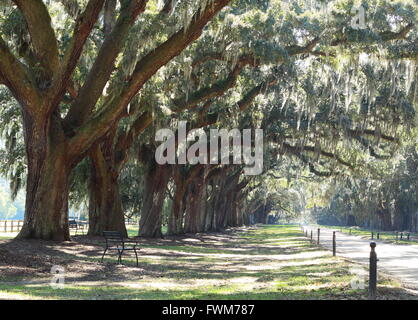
[(136, 256), (120, 256), (104, 254)]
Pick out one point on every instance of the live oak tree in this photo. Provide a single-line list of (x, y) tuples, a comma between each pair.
[(323, 112), (203, 90), (384, 199), (315, 111), (40, 78)]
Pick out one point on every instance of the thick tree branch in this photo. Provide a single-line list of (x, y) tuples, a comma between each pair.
[(318, 173), (370, 132), (248, 99), (103, 66), (402, 34), (44, 41), (215, 90), (83, 27), (295, 50), (206, 58), (144, 70), (168, 7), (312, 168), (243, 104), (365, 143), (299, 150), (15, 77), (220, 87), (109, 16), (125, 141), (384, 36)]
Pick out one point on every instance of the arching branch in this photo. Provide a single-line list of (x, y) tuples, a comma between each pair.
[(249, 98), (220, 87), (44, 41), (384, 36), (103, 66), (13, 74), (365, 143), (295, 150), (83, 27), (144, 70), (214, 90)]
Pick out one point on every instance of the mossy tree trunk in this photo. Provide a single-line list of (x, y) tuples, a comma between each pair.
[(107, 161), (56, 143), (156, 180)]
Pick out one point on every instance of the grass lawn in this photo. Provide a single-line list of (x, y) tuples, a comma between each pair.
[(387, 236), (7, 235), (133, 230), (264, 262)]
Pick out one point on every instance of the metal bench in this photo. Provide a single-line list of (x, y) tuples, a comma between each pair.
[(74, 225), (115, 241)]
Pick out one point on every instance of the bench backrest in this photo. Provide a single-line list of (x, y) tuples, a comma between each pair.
[(113, 236)]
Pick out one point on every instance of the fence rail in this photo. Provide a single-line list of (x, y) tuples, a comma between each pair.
[(11, 225), (388, 235), (15, 225)]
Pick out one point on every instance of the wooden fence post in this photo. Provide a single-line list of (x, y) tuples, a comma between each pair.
[(10, 226), (319, 231), (373, 272), (334, 244)]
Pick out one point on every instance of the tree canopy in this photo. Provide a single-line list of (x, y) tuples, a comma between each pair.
[(86, 85)]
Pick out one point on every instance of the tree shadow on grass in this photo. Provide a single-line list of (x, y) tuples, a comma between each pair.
[(185, 261), (123, 293)]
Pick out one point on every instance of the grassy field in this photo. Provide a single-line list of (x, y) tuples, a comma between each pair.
[(133, 230), (387, 236), (266, 262)]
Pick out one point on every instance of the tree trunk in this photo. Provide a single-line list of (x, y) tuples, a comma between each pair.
[(209, 208), (194, 220), (221, 210), (399, 222), (231, 210), (156, 181), (176, 217), (46, 211), (240, 209), (175, 220), (184, 201), (226, 217), (385, 218), (105, 206)]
